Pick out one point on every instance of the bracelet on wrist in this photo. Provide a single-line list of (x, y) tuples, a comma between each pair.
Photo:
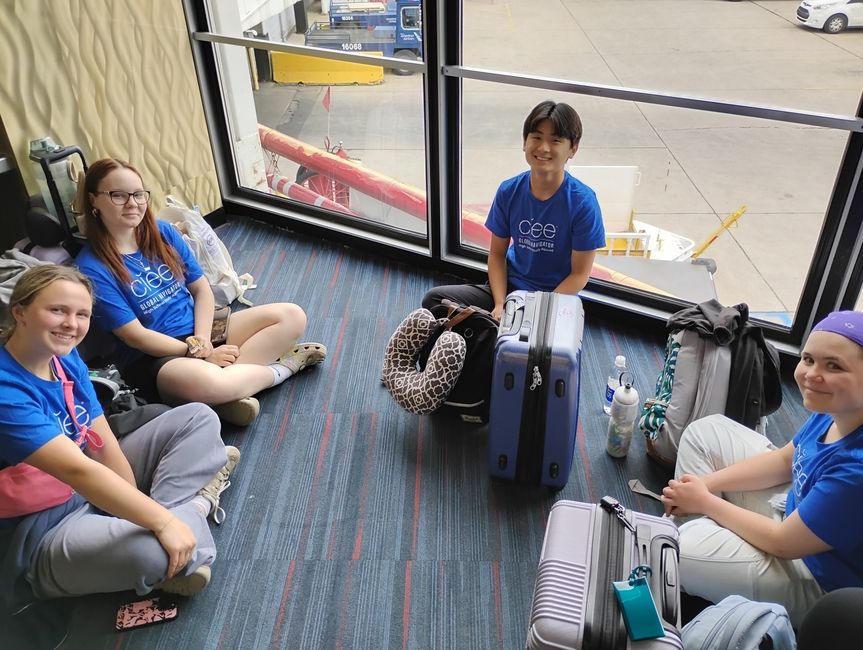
[(194, 345), (164, 526)]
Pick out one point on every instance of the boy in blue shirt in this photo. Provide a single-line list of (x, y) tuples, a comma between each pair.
[(545, 224)]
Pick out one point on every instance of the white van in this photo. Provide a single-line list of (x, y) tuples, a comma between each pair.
[(833, 16)]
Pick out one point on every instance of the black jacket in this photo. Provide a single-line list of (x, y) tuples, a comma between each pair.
[(754, 385)]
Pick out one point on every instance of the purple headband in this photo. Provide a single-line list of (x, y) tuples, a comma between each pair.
[(844, 323)]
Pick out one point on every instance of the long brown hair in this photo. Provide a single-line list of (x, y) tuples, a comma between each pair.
[(35, 280), (147, 235)]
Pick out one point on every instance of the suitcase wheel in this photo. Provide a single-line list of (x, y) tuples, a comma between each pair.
[(553, 470)]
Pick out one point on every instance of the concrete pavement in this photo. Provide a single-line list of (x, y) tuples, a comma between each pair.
[(697, 167)]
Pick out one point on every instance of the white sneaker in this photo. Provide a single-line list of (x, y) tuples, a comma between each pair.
[(212, 491), (240, 412), (187, 585)]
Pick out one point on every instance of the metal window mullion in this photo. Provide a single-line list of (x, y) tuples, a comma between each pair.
[(449, 117), (843, 282), (854, 280), (835, 267), (212, 99), (827, 120), (432, 87)]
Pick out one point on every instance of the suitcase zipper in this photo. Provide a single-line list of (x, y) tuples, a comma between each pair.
[(607, 618), (531, 444), (609, 614)]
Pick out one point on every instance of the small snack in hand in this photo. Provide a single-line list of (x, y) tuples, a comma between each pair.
[(195, 344)]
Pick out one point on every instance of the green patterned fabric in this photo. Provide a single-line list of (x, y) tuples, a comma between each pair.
[(653, 413)]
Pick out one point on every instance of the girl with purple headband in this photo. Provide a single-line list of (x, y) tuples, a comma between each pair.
[(782, 524)]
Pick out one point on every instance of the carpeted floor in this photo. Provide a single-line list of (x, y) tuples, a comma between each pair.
[(354, 524)]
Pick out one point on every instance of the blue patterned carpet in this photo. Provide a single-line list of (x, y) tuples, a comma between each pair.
[(354, 524)]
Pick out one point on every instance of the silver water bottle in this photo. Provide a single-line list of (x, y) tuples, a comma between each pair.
[(624, 411)]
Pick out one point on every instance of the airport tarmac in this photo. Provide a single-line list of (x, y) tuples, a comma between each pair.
[(696, 167)]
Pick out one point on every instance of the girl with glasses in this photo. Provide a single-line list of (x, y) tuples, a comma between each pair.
[(152, 294)]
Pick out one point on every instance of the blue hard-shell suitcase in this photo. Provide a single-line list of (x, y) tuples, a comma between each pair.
[(534, 392)]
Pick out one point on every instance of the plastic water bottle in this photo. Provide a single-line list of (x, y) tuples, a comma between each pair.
[(624, 410), (613, 381)]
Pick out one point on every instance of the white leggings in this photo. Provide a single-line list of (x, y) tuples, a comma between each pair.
[(172, 457), (715, 562)]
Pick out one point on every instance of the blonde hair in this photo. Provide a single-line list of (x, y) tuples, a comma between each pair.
[(35, 280)]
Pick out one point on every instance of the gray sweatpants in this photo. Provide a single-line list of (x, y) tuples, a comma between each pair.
[(172, 456)]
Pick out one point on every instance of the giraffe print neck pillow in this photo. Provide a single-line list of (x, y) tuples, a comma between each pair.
[(422, 391)]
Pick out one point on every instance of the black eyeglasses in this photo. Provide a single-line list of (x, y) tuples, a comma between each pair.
[(142, 197)]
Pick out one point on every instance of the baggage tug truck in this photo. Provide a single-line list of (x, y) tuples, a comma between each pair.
[(393, 28)]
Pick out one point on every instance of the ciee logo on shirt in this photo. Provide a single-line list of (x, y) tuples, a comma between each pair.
[(538, 237), (65, 420), (537, 230), (150, 281)]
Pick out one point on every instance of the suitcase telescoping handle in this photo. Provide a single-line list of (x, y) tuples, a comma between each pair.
[(513, 314)]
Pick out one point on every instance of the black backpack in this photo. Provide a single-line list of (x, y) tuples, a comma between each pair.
[(123, 409), (470, 396)]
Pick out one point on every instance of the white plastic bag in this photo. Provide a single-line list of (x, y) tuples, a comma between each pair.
[(210, 252)]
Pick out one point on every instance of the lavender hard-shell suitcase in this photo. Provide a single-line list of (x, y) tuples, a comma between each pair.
[(586, 548), (534, 390)]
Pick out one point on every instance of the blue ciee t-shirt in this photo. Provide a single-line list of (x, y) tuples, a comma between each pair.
[(827, 492), (155, 297), (33, 411), (544, 233)]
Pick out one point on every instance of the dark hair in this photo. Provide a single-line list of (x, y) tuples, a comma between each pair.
[(35, 280), (147, 233), (564, 119)]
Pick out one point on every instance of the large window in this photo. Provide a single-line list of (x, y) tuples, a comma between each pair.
[(722, 139), (743, 52), (667, 180), (347, 138)]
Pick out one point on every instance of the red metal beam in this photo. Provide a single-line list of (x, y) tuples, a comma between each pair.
[(406, 198), (302, 193)]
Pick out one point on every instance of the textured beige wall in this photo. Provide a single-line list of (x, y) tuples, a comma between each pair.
[(115, 77)]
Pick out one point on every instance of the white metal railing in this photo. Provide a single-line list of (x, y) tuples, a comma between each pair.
[(654, 97)]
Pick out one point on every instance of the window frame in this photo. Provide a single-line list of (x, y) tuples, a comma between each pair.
[(835, 275)]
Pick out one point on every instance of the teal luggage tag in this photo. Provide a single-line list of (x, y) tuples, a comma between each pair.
[(636, 603)]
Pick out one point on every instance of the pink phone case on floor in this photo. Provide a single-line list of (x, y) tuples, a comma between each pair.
[(146, 612)]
